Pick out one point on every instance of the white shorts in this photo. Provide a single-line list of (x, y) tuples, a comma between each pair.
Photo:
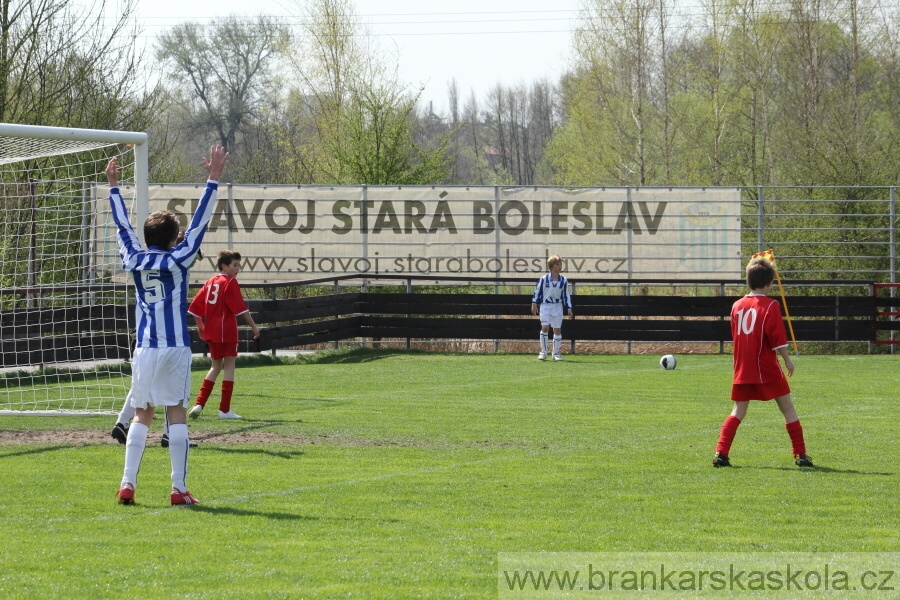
[(161, 377), (552, 315)]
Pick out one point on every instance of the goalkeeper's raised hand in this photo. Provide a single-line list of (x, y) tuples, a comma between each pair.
[(216, 162), (112, 172)]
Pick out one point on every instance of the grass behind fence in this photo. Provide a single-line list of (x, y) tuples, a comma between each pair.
[(403, 475)]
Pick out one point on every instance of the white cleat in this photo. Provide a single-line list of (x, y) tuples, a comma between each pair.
[(557, 357), (229, 415), (542, 356), (195, 412)]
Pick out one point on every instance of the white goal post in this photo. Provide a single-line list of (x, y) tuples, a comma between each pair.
[(66, 315)]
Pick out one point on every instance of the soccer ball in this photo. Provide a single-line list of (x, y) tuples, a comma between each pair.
[(667, 362)]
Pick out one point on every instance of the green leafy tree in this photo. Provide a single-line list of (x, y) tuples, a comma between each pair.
[(349, 120), (376, 145)]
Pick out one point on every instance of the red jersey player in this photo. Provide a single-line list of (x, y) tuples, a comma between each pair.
[(758, 334), (215, 308)]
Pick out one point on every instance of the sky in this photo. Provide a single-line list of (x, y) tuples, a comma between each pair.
[(480, 43)]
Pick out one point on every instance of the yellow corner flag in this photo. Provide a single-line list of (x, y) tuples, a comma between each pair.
[(766, 254), (770, 256)]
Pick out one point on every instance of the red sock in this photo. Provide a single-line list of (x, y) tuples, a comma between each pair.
[(227, 388), (729, 429), (795, 430), (206, 389)]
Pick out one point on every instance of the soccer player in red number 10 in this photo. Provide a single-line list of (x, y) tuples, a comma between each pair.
[(759, 337)]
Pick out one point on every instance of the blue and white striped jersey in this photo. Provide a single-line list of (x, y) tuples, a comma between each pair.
[(548, 291), (161, 275)]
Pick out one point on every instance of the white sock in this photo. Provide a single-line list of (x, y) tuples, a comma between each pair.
[(127, 412), (557, 342), (134, 451), (178, 453), (544, 342)]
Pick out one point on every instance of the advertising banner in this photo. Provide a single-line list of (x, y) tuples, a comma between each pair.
[(295, 233)]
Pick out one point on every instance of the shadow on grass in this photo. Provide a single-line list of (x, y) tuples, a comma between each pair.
[(354, 356), (821, 469), (244, 450), (239, 512), (247, 426), (41, 450), (277, 516), (327, 357)]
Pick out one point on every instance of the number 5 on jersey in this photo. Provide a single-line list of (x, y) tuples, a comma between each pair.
[(152, 286)]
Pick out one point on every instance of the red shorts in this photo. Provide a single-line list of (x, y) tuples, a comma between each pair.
[(741, 392), (219, 350)]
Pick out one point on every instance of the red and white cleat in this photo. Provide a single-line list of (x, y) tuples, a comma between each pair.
[(179, 497), (126, 494)]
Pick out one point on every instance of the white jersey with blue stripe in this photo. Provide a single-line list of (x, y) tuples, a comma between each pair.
[(548, 291), (161, 275)]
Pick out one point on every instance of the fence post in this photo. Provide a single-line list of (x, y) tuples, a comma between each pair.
[(761, 213), (722, 318), (274, 297), (337, 291), (572, 293), (628, 317), (87, 297), (628, 253), (496, 340), (362, 290), (408, 315), (229, 213), (32, 249), (872, 292), (893, 254), (497, 253), (364, 215)]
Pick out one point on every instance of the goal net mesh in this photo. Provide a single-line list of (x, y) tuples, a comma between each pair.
[(65, 339)]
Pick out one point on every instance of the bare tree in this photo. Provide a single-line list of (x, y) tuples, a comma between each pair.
[(453, 100), (224, 69), (470, 132), (64, 64)]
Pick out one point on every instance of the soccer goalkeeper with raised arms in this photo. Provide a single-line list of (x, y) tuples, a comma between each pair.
[(161, 365)]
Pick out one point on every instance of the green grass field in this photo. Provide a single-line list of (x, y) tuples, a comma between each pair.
[(404, 475)]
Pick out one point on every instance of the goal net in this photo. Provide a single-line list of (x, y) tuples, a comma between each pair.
[(65, 308)]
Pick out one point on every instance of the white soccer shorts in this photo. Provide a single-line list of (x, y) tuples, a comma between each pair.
[(161, 377), (552, 315)]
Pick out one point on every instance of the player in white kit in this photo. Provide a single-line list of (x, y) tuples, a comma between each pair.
[(551, 297)]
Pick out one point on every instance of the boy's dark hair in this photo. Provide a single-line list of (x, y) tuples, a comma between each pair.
[(760, 273), (226, 257), (180, 239), (161, 229)]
